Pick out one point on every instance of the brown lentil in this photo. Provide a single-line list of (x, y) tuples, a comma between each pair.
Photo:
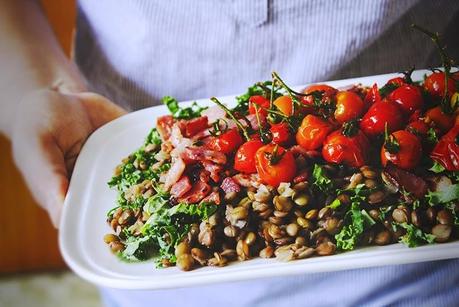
[(383, 237), (116, 246), (441, 232), (242, 250), (312, 214), (267, 252), (109, 238), (444, 217), (185, 262), (325, 248)]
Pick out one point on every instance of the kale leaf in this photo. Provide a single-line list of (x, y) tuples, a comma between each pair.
[(414, 236), (321, 181)]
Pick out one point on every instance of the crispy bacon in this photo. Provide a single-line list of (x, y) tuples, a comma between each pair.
[(252, 118), (164, 125), (229, 185), (214, 113), (174, 173), (213, 169), (198, 154), (181, 187), (191, 127), (213, 197), (246, 180), (410, 182), (301, 177), (198, 191)]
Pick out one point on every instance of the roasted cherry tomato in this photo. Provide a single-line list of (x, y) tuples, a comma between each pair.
[(327, 89), (443, 121), (284, 104), (312, 132), (351, 150), (227, 142), (380, 114), (408, 97), (244, 160), (418, 127), (403, 149), (349, 106), (398, 81), (372, 96), (328, 93), (275, 165), (446, 152), (435, 85), (281, 133), (261, 101)]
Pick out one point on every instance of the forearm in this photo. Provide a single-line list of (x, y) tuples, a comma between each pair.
[(30, 58)]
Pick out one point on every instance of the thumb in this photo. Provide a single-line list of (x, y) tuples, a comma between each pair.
[(42, 165), (100, 110)]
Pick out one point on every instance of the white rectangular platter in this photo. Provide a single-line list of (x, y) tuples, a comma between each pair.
[(83, 221)]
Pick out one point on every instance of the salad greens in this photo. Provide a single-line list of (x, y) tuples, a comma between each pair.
[(182, 113), (167, 224)]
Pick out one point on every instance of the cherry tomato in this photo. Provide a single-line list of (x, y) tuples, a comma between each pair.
[(328, 93), (260, 101), (280, 133), (244, 160), (284, 104), (443, 121), (398, 81), (226, 142), (348, 106), (327, 89), (446, 152), (408, 97), (435, 84), (312, 132), (351, 150), (402, 149), (418, 127), (275, 164), (380, 113), (372, 96)]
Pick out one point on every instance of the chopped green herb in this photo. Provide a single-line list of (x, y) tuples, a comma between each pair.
[(182, 113)]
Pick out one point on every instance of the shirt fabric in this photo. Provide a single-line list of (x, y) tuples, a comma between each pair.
[(135, 52)]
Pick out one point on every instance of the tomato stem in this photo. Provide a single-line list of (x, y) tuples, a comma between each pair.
[(274, 157), (350, 128), (447, 64), (391, 144), (265, 139), (231, 115)]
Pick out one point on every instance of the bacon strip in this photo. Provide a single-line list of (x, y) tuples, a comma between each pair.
[(181, 187), (174, 173), (214, 113), (197, 154), (164, 126), (193, 126), (229, 185), (213, 197), (198, 191), (213, 169), (410, 182)]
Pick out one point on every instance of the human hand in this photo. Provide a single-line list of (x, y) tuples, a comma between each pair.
[(47, 134)]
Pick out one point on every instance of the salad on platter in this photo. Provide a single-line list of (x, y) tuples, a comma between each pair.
[(294, 174)]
